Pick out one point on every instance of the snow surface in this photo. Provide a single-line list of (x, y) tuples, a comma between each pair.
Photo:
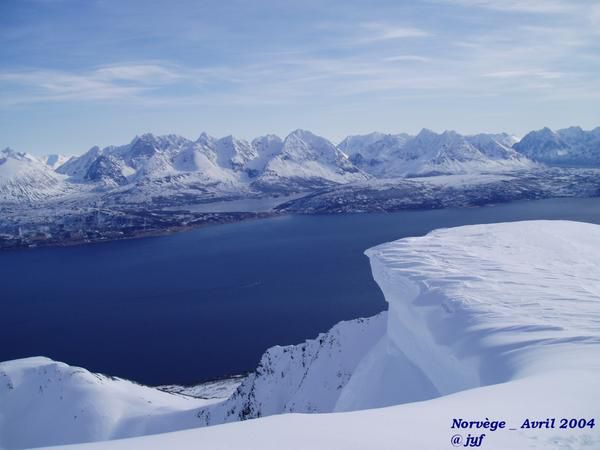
[(43, 402), (25, 178), (498, 321)]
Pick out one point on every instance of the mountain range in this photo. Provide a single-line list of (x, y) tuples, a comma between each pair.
[(300, 162), (567, 147)]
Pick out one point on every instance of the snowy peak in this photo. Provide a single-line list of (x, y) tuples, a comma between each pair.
[(306, 160), (206, 139), (354, 144), (267, 146), (78, 166), (23, 177), (106, 169), (234, 153), (570, 146), (221, 160), (9, 153), (370, 152), (440, 148), (496, 146), (147, 147), (54, 161), (302, 144), (430, 153)]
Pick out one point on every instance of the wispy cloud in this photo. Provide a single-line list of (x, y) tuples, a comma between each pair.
[(102, 83), (379, 58), (136, 72), (376, 32), (524, 73), (400, 58), (528, 6)]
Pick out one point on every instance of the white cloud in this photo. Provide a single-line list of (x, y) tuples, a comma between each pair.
[(399, 58), (137, 72), (103, 83), (529, 6), (524, 73), (377, 32)]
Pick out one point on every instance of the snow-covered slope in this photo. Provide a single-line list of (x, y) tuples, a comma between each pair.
[(354, 144), (373, 152), (496, 322), (24, 178), (214, 160), (308, 160), (54, 161), (300, 378), (266, 148), (387, 156), (43, 402), (145, 156), (570, 146), (416, 426)]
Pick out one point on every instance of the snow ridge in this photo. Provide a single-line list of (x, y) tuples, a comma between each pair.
[(486, 304), (306, 378)]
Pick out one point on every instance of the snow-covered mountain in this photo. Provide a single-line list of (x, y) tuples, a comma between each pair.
[(431, 153), (301, 161), (24, 178), (354, 144), (372, 152), (308, 160), (145, 156), (173, 170), (569, 147), (486, 323), (55, 160)]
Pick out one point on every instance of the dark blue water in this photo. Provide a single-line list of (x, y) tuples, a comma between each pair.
[(202, 304)]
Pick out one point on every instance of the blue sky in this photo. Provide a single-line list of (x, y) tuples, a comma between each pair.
[(77, 73)]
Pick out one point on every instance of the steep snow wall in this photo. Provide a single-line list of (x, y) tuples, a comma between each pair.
[(486, 304), (307, 377)]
